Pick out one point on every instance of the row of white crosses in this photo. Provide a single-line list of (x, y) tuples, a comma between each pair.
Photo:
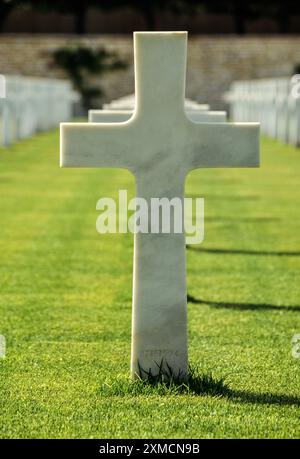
[(275, 102), (160, 144), (29, 105), (122, 110), (128, 103)]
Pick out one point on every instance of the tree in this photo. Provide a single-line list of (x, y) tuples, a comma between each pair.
[(238, 9), (279, 11), (78, 8), (149, 9), (6, 6), (79, 62), (284, 10)]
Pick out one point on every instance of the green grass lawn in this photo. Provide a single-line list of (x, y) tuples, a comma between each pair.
[(65, 303)]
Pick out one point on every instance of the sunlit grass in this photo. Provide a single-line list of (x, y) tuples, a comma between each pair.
[(65, 304)]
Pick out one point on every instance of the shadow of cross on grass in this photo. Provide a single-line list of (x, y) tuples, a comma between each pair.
[(207, 385), (244, 252), (243, 306)]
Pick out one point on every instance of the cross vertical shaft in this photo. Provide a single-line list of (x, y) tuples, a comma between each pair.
[(159, 324)]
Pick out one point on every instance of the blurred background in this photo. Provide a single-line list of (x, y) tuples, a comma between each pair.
[(90, 42)]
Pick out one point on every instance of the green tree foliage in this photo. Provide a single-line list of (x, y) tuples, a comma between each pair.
[(79, 62), (6, 6), (149, 9), (241, 11)]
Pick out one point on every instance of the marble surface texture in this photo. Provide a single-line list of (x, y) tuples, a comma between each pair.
[(160, 145)]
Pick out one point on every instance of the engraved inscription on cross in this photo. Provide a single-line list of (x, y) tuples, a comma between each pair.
[(160, 146)]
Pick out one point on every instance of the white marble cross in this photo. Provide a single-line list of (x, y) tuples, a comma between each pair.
[(160, 146)]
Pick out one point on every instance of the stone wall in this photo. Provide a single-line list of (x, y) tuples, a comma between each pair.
[(213, 62)]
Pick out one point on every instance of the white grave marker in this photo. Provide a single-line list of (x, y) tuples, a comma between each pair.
[(118, 116), (128, 103), (160, 146)]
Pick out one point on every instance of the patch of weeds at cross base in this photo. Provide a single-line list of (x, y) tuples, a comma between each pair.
[(165, 382)]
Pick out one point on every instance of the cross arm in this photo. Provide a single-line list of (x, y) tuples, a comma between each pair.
[(223, 145), (97, 145)]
